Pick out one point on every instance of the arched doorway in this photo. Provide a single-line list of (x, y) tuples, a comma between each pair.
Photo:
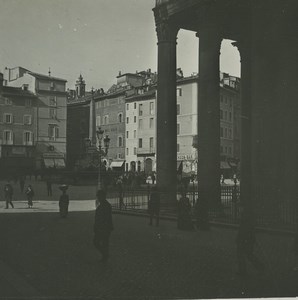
[(148, 166)]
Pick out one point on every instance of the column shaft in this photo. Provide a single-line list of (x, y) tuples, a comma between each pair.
[(166, 112), (209, 118)]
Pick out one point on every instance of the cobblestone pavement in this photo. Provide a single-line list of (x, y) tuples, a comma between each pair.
[(44, 256)]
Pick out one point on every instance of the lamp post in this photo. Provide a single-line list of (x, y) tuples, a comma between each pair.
[(102, 151)]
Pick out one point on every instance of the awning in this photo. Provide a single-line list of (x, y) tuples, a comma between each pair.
[(116, 164), (224, 165), (59, 163), (54, 162), (49, 162)]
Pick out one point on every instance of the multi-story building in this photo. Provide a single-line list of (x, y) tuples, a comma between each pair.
[(141, 130), (141, 126), (111, 114), (50, 139), (18, 129)]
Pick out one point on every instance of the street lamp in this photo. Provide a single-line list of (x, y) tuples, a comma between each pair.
[(101, 152)]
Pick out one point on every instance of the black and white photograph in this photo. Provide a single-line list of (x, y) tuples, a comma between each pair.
[(148, 149)]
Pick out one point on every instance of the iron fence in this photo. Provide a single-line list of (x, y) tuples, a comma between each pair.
[(229, 210)]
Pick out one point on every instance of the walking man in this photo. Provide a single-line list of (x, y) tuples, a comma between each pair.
[(103, 225), (8, 192), (49, 187)]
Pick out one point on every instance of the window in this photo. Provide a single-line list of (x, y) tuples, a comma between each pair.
[(127, 120), (178, 109), (28, 138), (134, 133), (140, 143), (53, 101), (178, 128), (151, 123), (179, 92), (127, 106), (120, 141), (106, 120), (127, 151), (178, 147), (140, 109), (27, 120), (230, 133), (127, 134), (53, 132), (221, 149), (221, 114), (135, 151), (221, 98), (7, 101), (53, 113), (151, 108), (120, 118), (135, 119), (225, 115), (230, 116), (52, 86), (135, 105), (221, 132), (8, 118), (230, 150), (226, 100), (140, 123), (97, 120), (28, 102), (7, 137), (226, 133), (151, 143)]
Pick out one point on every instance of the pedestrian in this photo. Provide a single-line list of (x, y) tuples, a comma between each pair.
[(184, 221), (119, 185), (30, 195), (63, 201), (153, 178), (22, 184), (245, 242), (8, 192), (103, 225), (154, 205), (49, 186)]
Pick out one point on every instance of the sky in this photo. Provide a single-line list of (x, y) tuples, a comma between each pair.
[(95, 38)]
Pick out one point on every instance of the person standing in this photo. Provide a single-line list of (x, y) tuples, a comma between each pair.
[(63, 201), (103, 225), (30, 194), (8, 192), (119, 185), (184, 221), (154, 206)]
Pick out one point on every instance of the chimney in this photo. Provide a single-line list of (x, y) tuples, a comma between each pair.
[(1, 82)]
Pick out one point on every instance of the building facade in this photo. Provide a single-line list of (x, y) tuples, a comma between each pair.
[(51, 114), (18, 130)]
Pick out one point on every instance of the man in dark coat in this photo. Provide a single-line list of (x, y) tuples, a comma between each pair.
[(103, 225), (8, 192)]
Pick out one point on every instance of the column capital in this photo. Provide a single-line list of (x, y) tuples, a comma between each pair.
[(166, 32)]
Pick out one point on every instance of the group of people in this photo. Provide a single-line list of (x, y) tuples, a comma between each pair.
[(8, 194)]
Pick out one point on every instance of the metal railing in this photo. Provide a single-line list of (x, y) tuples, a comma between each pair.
[(229, 210)]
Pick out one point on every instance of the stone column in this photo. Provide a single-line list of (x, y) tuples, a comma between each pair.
[(166, 112), (246, 130), (209, 121)]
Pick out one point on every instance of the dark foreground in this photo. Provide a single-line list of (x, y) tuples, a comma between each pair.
[(44, 256)]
